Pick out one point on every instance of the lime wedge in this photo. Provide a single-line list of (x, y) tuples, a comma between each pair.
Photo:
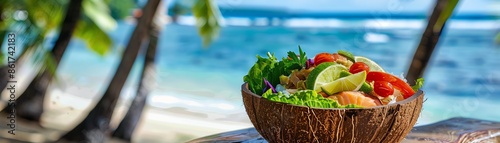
[(322, 74), (372, 64), (365, 87), (349, 83)]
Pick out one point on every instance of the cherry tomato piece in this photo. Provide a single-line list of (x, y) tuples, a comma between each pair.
[(358, 67), (383, 88), (397, 83), (323, 57)]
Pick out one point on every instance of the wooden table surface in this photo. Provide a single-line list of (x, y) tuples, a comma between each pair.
[(463, 130)]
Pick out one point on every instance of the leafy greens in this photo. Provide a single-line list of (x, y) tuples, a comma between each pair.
[(271, 69), (418, 84), (306, 98)]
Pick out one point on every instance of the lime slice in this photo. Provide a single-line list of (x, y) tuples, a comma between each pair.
[(322, 74), (372, 64), (349, 83), (366, 88)]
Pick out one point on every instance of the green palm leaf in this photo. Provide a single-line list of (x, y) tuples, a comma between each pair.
[(93, 24), (96, 39), (208, 19), (98, 11), (120, 8), (47, 14)]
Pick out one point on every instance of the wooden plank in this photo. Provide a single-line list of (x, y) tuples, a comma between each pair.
[(451, 130)]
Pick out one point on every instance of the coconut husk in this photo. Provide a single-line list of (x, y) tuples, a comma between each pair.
[(280, 122)]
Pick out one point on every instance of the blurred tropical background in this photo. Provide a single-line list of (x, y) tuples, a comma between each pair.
[(172, 70)]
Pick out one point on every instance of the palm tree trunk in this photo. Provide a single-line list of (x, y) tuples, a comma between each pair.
[(30, 103), (3, 32), (4, 68), (127, 126), (94, 126), (428, 42), (4, 77)]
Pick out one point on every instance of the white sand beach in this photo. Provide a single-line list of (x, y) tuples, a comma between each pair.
[(168, 117), (171, 124)]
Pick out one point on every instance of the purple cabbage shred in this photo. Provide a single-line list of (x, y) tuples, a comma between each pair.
[(268, 85), (309, 63)]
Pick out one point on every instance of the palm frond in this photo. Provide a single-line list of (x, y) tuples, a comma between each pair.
[(208, 19), (121, 8), (96, 39), (98, 11), (47, 14)]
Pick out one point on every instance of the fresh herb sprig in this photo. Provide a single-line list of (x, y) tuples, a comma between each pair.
[(418, 84)]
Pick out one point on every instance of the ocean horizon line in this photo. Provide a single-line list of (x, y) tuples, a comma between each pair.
[(371, 23), (343, 14)]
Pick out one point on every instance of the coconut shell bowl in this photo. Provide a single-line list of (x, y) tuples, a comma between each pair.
[(280, 122)]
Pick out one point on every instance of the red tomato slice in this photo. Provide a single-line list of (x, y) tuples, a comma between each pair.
[(397, 83), (404, 87), (380, 76)]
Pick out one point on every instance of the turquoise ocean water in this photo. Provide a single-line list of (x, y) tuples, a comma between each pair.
[(463, 78)]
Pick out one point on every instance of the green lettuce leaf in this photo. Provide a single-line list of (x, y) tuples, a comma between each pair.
[(255, 76), (418, 84), (271, 69), (308, 98)]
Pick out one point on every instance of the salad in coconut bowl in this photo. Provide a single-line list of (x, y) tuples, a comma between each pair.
[(331, 97)]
